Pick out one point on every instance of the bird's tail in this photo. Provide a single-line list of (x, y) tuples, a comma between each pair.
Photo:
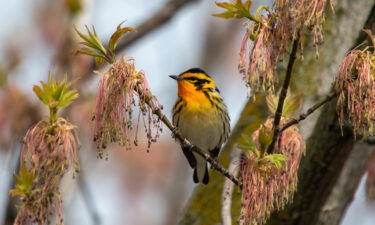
[(200, 170)]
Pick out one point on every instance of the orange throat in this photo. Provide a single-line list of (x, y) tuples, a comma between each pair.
[(189, 93)]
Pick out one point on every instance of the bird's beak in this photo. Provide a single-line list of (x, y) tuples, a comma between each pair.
[(175, 77)]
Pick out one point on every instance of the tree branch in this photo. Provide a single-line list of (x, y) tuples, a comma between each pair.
[(226, 196), (158, 19), (177, 134), (308, 112), (283, 93), (88, 198)]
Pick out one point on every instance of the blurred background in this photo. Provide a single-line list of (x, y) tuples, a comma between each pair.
[(131, 187)]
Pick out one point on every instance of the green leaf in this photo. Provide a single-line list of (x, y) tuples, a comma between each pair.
[(291, 105), (89, 45), (84, 37), (236, 10), (58, 91), (276, 159), (99, 60), (225, 15), (24, 181), (94, 46), (95, 40), (247, 5), (68, 98), (56, 94), (271, 100), (87, 51), (41, 95), (265, 137), (228, 6), (246, 143), (117, 35)]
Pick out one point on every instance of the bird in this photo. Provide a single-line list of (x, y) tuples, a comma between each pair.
[(201, 116)]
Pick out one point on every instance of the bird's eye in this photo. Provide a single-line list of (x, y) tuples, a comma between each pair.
[(197, 81), (191, 78)]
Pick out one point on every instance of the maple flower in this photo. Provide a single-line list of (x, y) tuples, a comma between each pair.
[(272, 31), (355, 83), (118, 92), (269, 180), (48, 152)]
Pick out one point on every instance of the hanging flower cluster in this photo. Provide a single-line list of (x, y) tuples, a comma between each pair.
[(49, 150), (355, 83), (120, 88), (269, 180), (118, 92), (272, 31)]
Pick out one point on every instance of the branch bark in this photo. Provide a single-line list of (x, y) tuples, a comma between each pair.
[(226, 197), (283, 93), (342, 193)]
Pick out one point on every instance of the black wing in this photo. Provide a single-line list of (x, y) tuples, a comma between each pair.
[(215, 152), (190, 157)]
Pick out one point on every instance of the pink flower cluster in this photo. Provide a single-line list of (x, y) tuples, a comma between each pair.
[(121, 88), (48, 151), (272, 35), (355, 83), (265, 187)]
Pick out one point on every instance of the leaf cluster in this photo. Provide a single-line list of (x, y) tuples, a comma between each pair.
[(94, 47), (291, 104), (55, 94), (238, 10), (259, 151)]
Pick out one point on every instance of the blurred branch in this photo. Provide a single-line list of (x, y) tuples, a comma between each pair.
[(88, 199), (226, 202), (283, 93), (162, 16), (11, 210), (214, 163), (347, 182)]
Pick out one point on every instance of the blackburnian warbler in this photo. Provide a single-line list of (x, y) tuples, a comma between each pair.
[(201, 116)]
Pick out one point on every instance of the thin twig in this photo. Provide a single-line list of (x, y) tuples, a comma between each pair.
[(226, 196), (283, 93), (88, 198), (177, 134), (312, 109)]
